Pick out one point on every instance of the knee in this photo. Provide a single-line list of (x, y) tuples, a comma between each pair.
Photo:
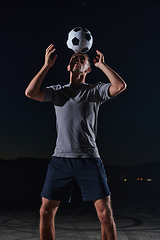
[(42, 210), (48, 208), (106, 215), (46, 213)]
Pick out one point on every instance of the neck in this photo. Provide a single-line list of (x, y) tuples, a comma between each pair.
[(77, 78)]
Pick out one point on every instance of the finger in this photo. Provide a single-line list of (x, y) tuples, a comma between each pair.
[(50, 47), (51, 51), (97, 51), (54, 57), (94, 61)]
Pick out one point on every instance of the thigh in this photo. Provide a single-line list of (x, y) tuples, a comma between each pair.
[(92, 179), (59, 180)]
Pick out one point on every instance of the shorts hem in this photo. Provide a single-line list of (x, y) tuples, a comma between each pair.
[(96, 198), (56, 199)]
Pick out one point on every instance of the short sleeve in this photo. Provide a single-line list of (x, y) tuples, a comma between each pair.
[(103, 90), (49, 92)]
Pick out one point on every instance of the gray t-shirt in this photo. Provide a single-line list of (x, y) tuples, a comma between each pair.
[(76, 107)]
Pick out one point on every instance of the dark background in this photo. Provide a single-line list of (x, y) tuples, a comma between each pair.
[(22, 181), (127, 32)]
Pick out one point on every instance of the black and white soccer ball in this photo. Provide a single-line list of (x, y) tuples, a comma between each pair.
[(80, 40)]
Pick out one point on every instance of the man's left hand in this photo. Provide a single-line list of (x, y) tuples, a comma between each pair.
[(99, 60)]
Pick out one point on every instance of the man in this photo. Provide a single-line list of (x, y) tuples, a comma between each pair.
[(76, 157)]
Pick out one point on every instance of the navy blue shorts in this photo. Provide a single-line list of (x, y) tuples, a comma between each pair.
[(63, 173)]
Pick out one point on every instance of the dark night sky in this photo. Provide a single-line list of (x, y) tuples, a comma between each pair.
[(127, 32)]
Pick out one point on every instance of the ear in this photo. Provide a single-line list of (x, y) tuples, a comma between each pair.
[(68, 68), (88, 70)]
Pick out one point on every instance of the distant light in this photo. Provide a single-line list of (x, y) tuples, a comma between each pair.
[(122, 176), (138, 179), (141, 179), (125, 180), (149, 180)]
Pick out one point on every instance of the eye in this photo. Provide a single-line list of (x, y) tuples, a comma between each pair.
[(83, 59), (75, 58)]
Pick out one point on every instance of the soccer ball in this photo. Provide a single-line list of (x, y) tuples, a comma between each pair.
[(80, 40)]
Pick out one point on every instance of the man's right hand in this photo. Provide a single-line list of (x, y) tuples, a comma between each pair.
[(34, 90), (49, 62)]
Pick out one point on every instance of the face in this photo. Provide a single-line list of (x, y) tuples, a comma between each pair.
[(78, 63)]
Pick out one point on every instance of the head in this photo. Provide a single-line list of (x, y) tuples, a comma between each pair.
[(79, 64)]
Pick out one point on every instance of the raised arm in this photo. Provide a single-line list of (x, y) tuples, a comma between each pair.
[(34, 88), (117, 83)]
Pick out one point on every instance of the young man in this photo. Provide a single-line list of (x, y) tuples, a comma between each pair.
[(76, 157)]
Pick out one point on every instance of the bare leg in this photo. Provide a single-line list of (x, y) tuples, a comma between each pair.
[(47, 214), (105, 215)]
